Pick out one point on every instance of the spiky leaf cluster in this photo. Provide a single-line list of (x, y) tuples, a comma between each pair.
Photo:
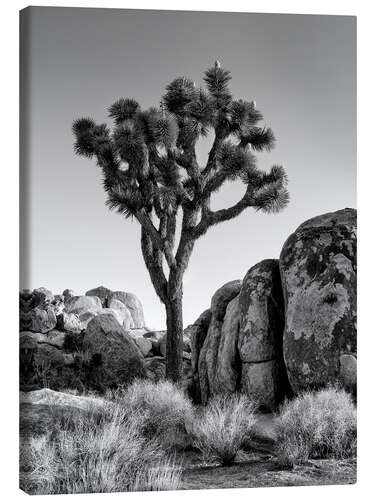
[(149, 161)]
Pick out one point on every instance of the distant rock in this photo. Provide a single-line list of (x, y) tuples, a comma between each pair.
[(102, 292), (82, 304), (155, 368), (126, 319), (144, 345), (69, 322), (42, 296), (155, 337), (319, 276), (134, 305), (68, 294), (162, 345), (58, 304), (41, 319), (31, 339)]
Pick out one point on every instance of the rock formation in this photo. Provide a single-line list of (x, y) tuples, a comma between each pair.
[(318, 271), (290, 325)]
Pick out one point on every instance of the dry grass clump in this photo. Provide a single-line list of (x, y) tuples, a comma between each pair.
[(318, 424), (94, 452), (223, 427), (165, 475), (160, 410)]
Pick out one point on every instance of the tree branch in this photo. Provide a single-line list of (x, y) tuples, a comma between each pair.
[(154, 263), (210, 218)]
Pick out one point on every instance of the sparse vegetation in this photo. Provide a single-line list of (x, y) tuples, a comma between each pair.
[(318, 424), (223, 427), (160, 409), (97, 451)]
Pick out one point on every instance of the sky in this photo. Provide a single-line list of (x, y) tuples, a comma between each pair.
[(300, 70)]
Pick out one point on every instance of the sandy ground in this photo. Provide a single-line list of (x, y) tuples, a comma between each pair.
[(259, 467), (259, 470)]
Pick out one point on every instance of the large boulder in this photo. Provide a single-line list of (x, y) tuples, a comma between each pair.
[(208, 357), (260, 338), (123, 312), (42, 364), (318, 270), (156, 338), (40, 319), (197, 333), (36, 407), (68, 294), (42, 296), (227, 368), (82, 304), (134, 305), (113, 352), (54, 338), (69, 322), (102, 292), (156, 368)]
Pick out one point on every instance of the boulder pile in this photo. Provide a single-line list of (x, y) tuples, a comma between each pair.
[(288, 326), (94, 341)]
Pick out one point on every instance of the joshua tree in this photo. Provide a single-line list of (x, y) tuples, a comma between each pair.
[(151, 173)]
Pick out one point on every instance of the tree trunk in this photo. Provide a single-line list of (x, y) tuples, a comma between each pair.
[(174, 338)]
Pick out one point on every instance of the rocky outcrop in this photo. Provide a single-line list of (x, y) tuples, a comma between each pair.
[(318, 271), (36, 407), (260, 337), (208, 357), (242, 346), (290, 325), (54, 329), (132, 303), (82, 304), (113, 352), (102, 292)]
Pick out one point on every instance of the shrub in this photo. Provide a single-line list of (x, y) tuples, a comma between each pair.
[(160, 410), (223, 427), (164, 476), (93, 452), (318, 424)]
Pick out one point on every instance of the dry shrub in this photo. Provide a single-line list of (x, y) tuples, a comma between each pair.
[(318, 424), (160, 410), (96, 451), (166, 475), (223, 427)]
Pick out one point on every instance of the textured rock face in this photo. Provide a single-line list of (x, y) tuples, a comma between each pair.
[(116, 358), (35, 409), (197, 333), (52, 330), (41, 319), (126, 318), (227, 365), (318, 270), (69, 322), (102, 292), (261, 333), (134, 305), (208, 357), (83, 304)]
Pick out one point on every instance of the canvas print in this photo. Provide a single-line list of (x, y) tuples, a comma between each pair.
[(188, 250)]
